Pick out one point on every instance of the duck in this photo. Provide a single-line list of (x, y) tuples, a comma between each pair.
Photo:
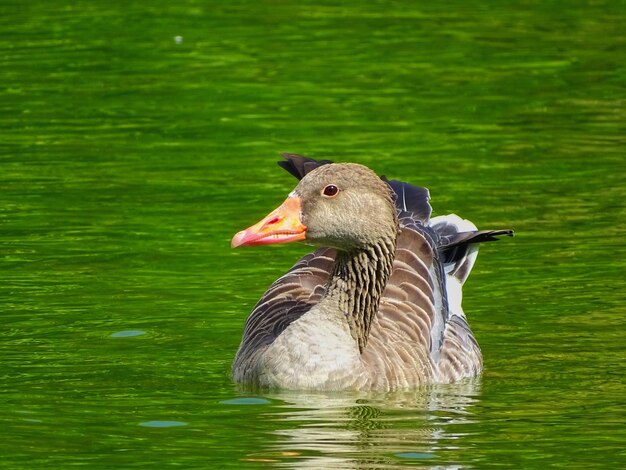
[(377, 305)]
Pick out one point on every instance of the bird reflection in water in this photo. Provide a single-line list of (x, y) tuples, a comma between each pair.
[(369, 430)]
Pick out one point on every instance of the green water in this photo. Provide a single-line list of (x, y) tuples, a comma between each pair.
[(129, 158)]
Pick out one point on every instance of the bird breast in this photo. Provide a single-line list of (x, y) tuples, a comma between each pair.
[(316, 351)]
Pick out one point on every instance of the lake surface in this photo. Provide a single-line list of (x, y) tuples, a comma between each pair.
[(137, 137)]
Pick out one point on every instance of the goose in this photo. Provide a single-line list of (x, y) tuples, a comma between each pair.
[(377, 306)]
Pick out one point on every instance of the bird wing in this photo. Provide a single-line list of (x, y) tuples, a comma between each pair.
[(420, 331), (286, 300), (408, 330), (458, 242)]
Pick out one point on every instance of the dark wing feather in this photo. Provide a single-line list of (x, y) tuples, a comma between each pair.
[(298, 165), (411, 199), (286, 300)]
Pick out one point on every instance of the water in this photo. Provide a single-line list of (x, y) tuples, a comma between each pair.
[(135, 139)]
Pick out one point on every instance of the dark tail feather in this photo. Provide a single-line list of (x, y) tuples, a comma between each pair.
[(454, 246)]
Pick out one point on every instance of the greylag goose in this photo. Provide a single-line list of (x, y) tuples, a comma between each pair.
[(378, 305)]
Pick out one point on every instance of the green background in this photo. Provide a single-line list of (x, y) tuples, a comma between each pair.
[(129, 158)]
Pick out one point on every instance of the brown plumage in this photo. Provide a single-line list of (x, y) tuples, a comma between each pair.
[(378, 305)]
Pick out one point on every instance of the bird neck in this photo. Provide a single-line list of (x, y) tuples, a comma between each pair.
[(356, 285)]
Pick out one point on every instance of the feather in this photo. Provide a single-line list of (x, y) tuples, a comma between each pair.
[(299, 166), (411, 199)]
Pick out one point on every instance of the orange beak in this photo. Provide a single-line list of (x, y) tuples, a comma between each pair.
[(281, 226)]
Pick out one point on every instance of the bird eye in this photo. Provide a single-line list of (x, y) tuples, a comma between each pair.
[(330, 190)]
